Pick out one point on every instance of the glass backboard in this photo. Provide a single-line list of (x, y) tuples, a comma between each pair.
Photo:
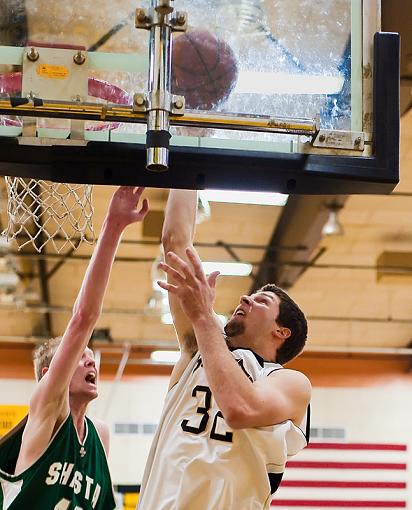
[(286, 78)]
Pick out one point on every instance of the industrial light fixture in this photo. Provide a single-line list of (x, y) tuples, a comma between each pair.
[(244, 197), (224, 268), (9, 284), (203, 209), (169, 357), (4, 245), (228, 268), (158, 303), (168, 319), (333, 227), (8, 274)]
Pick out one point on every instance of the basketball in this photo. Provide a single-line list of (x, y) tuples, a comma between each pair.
[(204, 69)]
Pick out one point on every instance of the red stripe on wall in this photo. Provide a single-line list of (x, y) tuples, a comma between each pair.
[(357, 446), (343, 485), (345, 465), (338, 503)]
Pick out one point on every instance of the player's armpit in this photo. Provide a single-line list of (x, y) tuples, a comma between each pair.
[(284, 395), (183, 327), (180, 366), (38, 432)]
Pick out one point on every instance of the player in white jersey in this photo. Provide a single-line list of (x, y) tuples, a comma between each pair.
[(232, 415)]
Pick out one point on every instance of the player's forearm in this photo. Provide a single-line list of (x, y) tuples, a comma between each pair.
[(233, 391), (90, 299), (87, 307), (177, 235), (180, 218)]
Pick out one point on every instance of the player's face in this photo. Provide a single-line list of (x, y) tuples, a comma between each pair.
[(255, 316), (84, 380)]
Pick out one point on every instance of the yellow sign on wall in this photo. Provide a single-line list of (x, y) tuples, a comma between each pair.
[(10, 416)]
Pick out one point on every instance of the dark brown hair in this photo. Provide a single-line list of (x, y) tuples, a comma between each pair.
[(290, 316)]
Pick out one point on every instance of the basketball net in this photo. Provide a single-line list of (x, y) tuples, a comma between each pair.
[(41, 212)]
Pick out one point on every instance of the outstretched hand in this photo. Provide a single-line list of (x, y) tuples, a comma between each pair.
[(195, 290), (123, 205)]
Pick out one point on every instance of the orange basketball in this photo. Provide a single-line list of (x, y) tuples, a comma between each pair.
[(204, 69)]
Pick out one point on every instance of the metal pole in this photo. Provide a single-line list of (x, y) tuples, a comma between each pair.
[(159, 87)]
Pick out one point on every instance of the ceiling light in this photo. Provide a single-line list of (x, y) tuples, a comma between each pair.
[(8, 281), (4, 245), (157, 274), (245, 197), (333, 227), (252, 82), (168, 319), (157, 304), (165, 356), (203, 209), (228, 268)]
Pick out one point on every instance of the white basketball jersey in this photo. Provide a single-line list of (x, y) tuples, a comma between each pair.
[(197, 462)]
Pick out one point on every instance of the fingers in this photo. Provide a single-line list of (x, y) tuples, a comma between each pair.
[(126, 189), (137, 192), (135, 195), (187, 276), (196, 263), (181, 266), (144, 209), (171, 272), (212, 278), (167, 286), (133, 191)]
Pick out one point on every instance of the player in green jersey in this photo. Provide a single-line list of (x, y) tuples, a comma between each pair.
[(57, 459)]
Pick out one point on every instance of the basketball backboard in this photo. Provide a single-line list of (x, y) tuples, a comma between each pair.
[(313, 109)]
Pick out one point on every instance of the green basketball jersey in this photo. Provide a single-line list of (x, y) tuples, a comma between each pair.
[(70, 475)]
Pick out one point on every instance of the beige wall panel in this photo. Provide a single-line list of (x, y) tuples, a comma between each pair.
[(357, 334), (18, 323)]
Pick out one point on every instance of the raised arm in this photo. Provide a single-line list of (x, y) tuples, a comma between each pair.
[(177, 235), (283, 395), (50, 400)]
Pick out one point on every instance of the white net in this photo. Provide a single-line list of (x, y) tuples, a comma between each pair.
[(44, 213)]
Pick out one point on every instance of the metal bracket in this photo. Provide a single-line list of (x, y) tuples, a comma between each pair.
[(146, 18), (140, 102), (143, 19), (178, 22), (178, 105), (351, 140), (55, 74), (171, 103)]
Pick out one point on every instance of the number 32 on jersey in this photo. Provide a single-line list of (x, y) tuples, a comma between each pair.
[(217, 422)]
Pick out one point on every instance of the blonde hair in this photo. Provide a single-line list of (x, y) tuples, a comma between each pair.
[(43, 354)]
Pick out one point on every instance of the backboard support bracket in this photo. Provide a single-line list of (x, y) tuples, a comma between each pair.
[(330, 139)]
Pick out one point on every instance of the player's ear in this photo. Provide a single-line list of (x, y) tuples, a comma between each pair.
[(282, 332), (44, 370)]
